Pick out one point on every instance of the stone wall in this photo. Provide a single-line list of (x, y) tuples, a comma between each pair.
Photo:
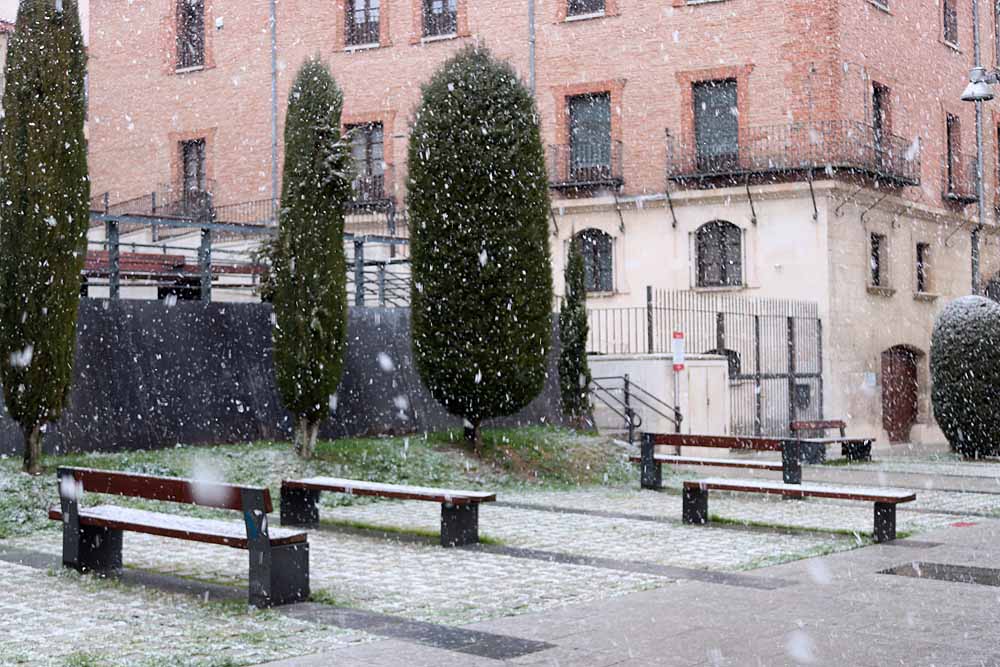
[(149, 375)]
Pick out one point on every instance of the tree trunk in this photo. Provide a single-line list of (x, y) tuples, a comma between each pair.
[(306, 432), (33, 450), (474, 436)]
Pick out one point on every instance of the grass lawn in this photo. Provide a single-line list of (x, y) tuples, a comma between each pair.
[(545, 457)]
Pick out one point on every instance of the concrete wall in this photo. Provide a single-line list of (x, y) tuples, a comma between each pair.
[(150, 376)]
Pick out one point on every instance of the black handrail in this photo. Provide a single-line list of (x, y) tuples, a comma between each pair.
[(632, 420)]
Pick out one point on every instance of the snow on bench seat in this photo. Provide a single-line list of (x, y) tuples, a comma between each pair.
[(871, 494), (212, 531), (404, 492), (719, 463)]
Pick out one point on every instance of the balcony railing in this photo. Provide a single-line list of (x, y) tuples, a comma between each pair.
[(777, 150), (958, 180), (586, 166)]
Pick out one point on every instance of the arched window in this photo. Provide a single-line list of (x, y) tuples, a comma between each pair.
[(597, 260), (719, 248)]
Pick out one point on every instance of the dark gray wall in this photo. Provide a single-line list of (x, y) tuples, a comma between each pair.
[(149, 375)]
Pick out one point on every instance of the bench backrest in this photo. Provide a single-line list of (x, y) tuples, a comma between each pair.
[(818, 425), (724, 441), (170, 489)]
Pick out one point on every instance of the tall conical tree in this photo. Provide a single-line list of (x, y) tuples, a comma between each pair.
[(479, 207), (310, 273), (574, 373), (44, 214)]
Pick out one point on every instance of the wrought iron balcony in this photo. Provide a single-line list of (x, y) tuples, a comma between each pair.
[(370, 191), (958, 180), (782, 151), (586, 166)]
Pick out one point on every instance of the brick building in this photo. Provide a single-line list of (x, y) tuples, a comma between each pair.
[(813, 150)]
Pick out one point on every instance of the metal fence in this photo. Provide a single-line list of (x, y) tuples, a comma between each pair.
[(168, 246), (774, 348)]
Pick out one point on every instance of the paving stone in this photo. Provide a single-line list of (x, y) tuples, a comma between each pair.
[(61, 615)]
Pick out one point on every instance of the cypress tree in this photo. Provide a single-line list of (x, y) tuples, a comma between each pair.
[(574, 373), (479, 206), (310, 273), (44, 215)]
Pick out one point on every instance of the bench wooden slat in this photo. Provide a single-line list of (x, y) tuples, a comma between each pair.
[(817, 424), (871, 494), (169, 489), (211, 531), (720, 463), (399, 491), (724, 441), (835, 440)]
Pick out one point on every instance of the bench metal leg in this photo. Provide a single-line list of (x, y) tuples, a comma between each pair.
[(650, 472), (791, 463), (857, 451), (97, 550), (813, 452), (459, 524), (695, 508), (885, 522), (279, 575), (299, 507)]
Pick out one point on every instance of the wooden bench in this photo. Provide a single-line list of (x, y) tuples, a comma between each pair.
[(92, 536), (695, 503), (814, 449), (459, 509), (651, 463)]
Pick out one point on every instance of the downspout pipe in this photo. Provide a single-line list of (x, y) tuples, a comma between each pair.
[(531, 45), (977, 231), (274, 105)]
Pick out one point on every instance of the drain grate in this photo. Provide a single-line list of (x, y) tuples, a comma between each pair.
[(963, 574)]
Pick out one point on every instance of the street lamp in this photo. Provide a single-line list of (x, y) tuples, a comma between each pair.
[(979, 89)]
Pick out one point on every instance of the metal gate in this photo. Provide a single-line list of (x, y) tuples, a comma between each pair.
[(774, 348)]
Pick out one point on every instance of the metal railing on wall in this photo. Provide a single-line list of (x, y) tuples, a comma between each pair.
[(184, 247)]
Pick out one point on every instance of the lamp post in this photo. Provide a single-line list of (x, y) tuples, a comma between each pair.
[(978, 91)]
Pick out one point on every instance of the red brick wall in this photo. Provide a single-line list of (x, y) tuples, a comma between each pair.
[(795, 60)]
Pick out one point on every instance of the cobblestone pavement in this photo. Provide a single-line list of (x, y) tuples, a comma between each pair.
[(60, 618), (945, 466), (71, 617), (415, 580)]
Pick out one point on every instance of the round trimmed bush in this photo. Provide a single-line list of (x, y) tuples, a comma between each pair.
[(965, 371)]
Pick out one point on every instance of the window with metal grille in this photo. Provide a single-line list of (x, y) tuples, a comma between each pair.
[(923, 268), (190, 33), (440, 17), (193, 167), (950, 17), (590, 137), (362, 22), (877, 260), (583, 7), (716, 125), (719, 254), (598, 262), (880, 117), (953, 151), (367, 151)]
